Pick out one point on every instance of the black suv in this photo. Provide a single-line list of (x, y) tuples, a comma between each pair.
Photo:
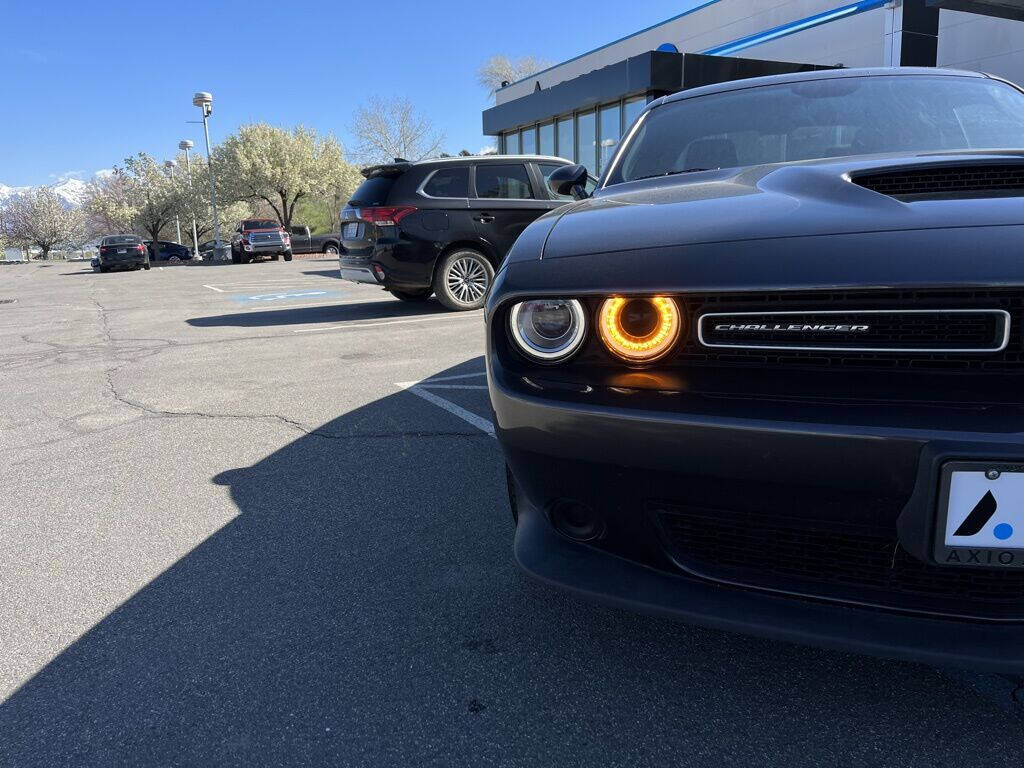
[(443, 226)]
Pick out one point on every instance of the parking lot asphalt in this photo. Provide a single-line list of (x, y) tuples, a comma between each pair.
[(252, 515)]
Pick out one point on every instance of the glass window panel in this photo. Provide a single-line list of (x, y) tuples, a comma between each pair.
[(529, 145), (507, 182), (547, 139), (611, 118), (448, 182), (566, 140), (586, 141), (512, 143), (633, 109)]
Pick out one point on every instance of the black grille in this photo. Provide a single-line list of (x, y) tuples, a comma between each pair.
[(947, 181), (1010, 360), (847, 563)]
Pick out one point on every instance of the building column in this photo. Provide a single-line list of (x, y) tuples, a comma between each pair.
[(911, 34)]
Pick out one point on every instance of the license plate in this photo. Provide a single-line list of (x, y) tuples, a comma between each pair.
[(351, 231), (122, 250), (981, 515)]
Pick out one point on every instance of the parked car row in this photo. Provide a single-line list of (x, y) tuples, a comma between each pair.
[(253, 238), (767, 377)]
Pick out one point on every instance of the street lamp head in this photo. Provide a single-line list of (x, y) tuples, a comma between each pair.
[(204, 101), (169, 163), (185, 144)]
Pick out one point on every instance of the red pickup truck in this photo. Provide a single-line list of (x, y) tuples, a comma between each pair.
[(255, 238)]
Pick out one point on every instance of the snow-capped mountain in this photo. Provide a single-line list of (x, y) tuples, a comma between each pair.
[(72, 192)]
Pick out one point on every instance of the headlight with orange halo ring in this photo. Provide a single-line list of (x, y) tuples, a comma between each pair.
[(639, 330)]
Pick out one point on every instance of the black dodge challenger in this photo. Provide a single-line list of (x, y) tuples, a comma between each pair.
[(770, 376)]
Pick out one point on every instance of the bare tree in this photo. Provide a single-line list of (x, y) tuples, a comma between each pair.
[(501, 69), (38, 217), (386, 129)]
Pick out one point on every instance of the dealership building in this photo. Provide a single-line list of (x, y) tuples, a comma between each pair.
[(579, 109)]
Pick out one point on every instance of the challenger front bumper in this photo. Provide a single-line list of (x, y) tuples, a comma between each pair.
[(769, 458)]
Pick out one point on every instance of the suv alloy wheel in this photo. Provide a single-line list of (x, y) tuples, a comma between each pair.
[(462, 280)]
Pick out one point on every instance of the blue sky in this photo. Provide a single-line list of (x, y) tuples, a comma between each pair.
[(86, 84)]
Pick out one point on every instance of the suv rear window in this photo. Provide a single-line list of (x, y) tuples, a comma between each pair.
[(448, 182), (121, 240), (373, 191), (258, 224)]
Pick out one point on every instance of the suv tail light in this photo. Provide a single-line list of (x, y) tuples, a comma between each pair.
[(142, 248), (385, 216)]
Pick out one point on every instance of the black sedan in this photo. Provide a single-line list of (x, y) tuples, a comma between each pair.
[(173, 253), (122, 252), (768, 377)]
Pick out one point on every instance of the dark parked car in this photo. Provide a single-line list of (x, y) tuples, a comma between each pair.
[(173, 253), (442, 226), (255, 238), (303, 241), (122, 252), (207, 249), (768, 378)]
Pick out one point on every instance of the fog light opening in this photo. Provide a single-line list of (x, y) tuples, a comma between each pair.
[(575, 520)]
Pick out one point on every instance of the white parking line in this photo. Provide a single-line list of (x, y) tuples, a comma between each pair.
[(350, 326), (271, 285), (421, 389), (432, 379)]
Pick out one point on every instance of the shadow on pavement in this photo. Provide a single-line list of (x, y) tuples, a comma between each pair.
[(363, 609), (328, 313), (333, 273)]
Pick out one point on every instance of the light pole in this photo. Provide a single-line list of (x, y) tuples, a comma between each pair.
[(185, 145), (204, 101), (177, 219)]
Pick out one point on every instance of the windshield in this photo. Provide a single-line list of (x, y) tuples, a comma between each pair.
[(121, 240), (259, 224), (824, 118)]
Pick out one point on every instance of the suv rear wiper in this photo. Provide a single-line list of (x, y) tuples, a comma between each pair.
[(673, 173)]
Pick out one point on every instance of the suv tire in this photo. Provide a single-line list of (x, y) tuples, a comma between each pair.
[(236, 258), (413, 296), (287, 255), (462, 280)]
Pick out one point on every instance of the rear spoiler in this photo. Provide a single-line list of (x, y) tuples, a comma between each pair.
[(396, 168)]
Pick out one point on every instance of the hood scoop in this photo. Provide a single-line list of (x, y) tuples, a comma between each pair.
[(946, 182)]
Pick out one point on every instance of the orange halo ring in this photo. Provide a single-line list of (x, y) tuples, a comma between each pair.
[(639, 349)]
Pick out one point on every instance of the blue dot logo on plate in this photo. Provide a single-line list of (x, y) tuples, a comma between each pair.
[(1003, 531)]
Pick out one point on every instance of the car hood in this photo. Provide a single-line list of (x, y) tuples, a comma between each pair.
[(770, 201)]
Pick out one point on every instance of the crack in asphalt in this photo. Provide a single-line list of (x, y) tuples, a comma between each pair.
[(109, 342)]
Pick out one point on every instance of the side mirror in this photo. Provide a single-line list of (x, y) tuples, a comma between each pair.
[(569, 180)]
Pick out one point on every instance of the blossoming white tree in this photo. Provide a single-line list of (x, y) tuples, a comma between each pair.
[(38, 218), (267, 165)]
